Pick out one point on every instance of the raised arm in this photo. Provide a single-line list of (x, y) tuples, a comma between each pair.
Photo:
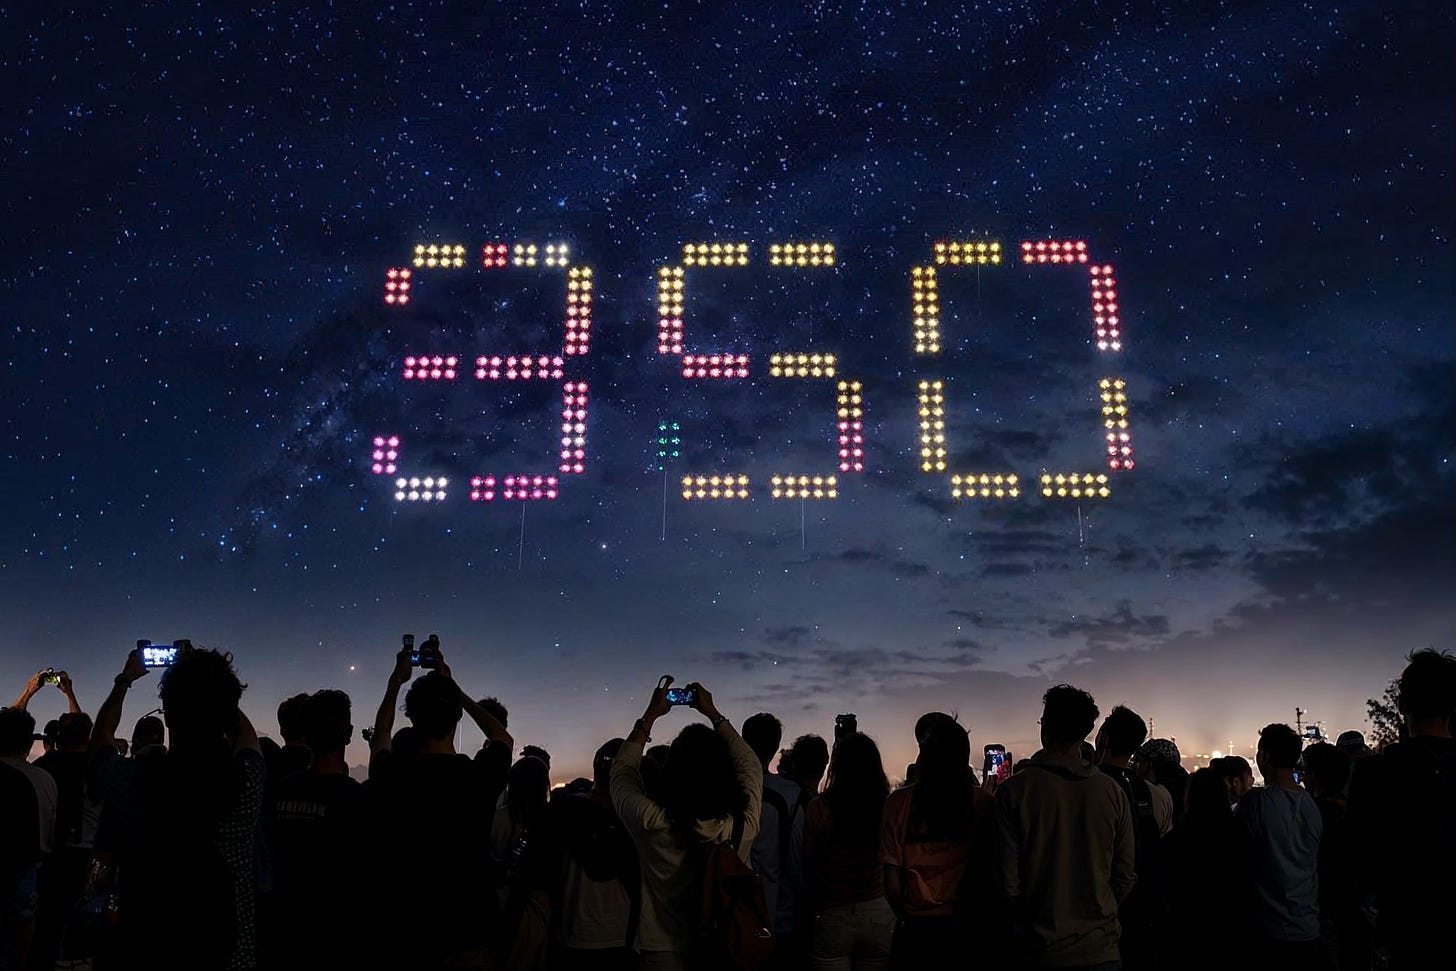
[(485, 721), (745, 763), (638, 812), (31, 688), (108, 716), (72, 705), (384, 718)]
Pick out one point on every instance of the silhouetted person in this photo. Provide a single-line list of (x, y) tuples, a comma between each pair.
[(524, 865), (1284, 827), (710, 792), (932, 832), (317, 829), (1207, 860), (808, 757), (78, 810), (20, 839), (778, 850), (1143, 914), (924, 725), (592, 908), (538, 753), (1158, 760), (1345, 936), (431, 809), (196, 812), (844, 878), (1236, 773), (1402, 818), (1064, 851), (293, 755)]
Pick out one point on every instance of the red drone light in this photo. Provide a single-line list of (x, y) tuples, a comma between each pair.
[(1119, 450), (518, 368), (715, 365), (493, 255), (427, 368), (851, 446), (397, 285), (1054, 251), (573, 427), (1104, 309)]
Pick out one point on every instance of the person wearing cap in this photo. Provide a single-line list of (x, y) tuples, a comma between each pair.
[(1159, 761)]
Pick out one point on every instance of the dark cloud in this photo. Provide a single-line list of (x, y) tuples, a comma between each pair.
[(1120, 627)]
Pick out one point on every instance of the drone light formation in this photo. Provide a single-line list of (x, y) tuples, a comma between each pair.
[(801, 254), (385, 455), (850, 413), (415, 489), (801, 366), (932, 426), (426, 368), (715, 254), (397, 285), (978, 253), (925, 297), (985, 486), (1104, 309), (715, 366), (576, 342), (578, 310), (449, 256), (734, 486), (804, 487), (1087, 485), (1114, 421), (486, 488), (669, 443), (670, 310), (1054, 251)]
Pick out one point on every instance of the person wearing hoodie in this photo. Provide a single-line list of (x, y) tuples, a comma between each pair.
[(1064, 850), (710, 791)]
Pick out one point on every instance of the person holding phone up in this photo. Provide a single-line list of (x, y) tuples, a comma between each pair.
[(710, 792)]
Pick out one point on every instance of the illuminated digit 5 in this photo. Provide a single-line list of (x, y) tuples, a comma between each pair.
[(1107, 334), (399, 288), (696, 365)]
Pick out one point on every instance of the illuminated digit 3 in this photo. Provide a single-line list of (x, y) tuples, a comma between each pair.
[(1107, 335), (696, 365), (399, 289)]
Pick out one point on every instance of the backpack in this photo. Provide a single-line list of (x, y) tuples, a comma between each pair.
[(786, 814), (1147, 904), (733, 931)]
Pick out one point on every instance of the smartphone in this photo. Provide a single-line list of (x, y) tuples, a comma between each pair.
[(158, 655), (427, 655), (845, 724), (682, 696), (51, 677), (997, 763)]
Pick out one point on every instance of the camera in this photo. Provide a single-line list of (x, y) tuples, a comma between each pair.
[(682, 696), (160, 655), (427, 655), (845, 724)]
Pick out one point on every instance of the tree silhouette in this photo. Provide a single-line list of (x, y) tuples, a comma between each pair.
[(1383, 713)]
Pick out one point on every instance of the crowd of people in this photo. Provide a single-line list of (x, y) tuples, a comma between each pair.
[(195, 844)]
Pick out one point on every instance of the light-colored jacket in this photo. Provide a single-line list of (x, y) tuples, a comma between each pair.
[(671, 884), (1064, 859)]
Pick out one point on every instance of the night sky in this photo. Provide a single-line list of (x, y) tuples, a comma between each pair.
[(200, 207)]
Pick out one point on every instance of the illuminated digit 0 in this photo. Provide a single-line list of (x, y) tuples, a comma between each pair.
[(399, 288), (1107, 334), (849, 413)]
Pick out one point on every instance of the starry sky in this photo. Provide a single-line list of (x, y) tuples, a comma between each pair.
[(201, 204)]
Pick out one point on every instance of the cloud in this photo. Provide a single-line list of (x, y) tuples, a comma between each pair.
[(1120, 627)]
